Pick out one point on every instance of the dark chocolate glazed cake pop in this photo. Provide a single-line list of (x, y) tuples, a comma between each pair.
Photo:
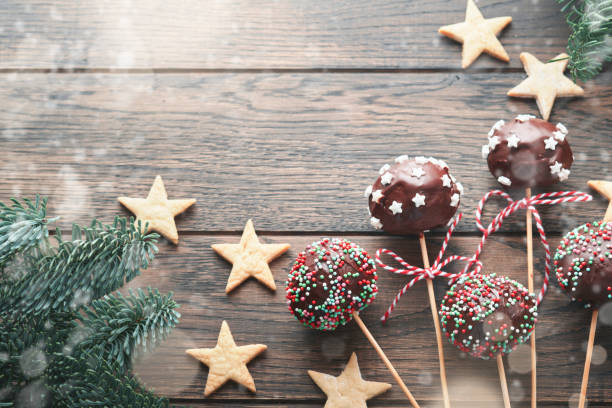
[(583, 263), (330, 280), (413, 195), (487, 315), (528, 152)]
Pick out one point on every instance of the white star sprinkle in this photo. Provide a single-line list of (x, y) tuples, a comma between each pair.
[(498, 125), (375, 222), (396, 208), (485, 151), (367, 192), (504, 180), (551, 143), (562, 128), (442, 164), (418, 172), (401, 158), (560, 136), (386, 178), (446, 181), (383, 169), (556, 168), (420, 159), (524, 118), (418, 200), (564, 174), (454, 200), (513, 140), (460, 188), (493, 142), (377, 195)]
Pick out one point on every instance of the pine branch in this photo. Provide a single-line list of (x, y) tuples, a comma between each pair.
[(121, 324), (23, 227), (590, 42), (89, 381), (26, 347), (97, 261)]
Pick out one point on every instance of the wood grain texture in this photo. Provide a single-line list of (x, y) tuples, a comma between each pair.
[(256, 315), (268, 34), (292, 151)]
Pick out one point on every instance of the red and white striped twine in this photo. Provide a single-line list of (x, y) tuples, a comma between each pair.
[(526, 203), (473, 262), (432, 272)]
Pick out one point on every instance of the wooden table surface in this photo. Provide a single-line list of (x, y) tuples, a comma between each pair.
[(283, 111)]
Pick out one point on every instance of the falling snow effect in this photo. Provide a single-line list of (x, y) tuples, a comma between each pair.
[(77, 193)]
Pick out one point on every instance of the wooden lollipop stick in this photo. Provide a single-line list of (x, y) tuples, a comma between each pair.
[(434, 314), (587, 363), (534, 388), (502, 380), (384, 358)]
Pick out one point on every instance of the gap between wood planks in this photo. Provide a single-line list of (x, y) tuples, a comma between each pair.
[(135, 71), (262, 233)]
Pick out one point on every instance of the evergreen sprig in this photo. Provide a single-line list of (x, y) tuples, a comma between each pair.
[(590, 43), (97, 261), (23, 227), (27, 345), (122, 323), (60, 341), (90, 381)]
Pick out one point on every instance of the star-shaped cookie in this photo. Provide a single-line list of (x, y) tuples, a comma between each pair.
[(227, 361), (157, 210), (545, 82), (348, 390), (477, 34), (605, 189), (250, 258)]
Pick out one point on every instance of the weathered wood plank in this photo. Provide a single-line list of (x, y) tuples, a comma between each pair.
[(292, 151), (256, 315), (147, 34)]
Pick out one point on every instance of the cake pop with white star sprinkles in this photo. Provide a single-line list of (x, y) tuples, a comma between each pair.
[(330, 280), (527, 152), (488, 315), (413, 195)]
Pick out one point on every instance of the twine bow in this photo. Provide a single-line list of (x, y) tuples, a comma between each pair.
[(436, 269), (473, 263), (553, 198)]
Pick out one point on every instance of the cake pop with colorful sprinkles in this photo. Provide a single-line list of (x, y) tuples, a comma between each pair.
[(330, 280), (413, 195), (583, 263), (528, 152), (487, 315)]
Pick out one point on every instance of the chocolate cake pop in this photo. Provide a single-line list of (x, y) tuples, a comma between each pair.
[(487, 315), (329, 281), (528, 152), (413, 195), (583, 263)]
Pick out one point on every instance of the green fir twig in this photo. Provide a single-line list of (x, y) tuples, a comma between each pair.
[(590, 43)]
